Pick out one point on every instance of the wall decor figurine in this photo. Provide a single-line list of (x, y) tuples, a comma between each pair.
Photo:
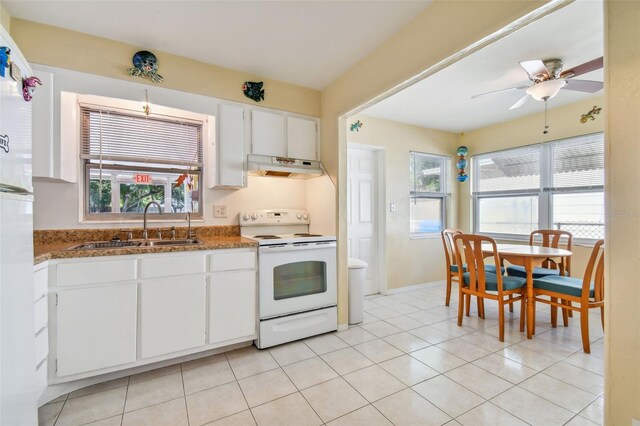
[(355, 127), (590, 115), (462, 163), (29, 87), (5, 60), (253, 90), (145, 64)]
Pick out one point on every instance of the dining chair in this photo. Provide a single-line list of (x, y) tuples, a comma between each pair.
[(554, 238), (476, 281), (451, 259), (587, 292)]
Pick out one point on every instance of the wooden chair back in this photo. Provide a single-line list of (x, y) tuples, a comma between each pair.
[(470, 245), (594, 272), (554, 238), (450, 250)]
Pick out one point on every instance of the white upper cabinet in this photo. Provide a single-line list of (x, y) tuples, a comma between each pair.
[(229, 148), (55, 132), (302, 138), (284, 135), (268, 135)]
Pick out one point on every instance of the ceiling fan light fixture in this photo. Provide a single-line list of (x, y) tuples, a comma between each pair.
[(546, 89)]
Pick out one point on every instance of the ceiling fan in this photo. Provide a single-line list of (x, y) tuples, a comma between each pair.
[(548, 78)]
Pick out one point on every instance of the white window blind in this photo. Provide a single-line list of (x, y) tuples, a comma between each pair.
[(116, 136), (578, 162), (510, 170)]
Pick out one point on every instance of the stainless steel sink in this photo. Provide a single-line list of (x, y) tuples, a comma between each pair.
[(96, 245), (161, 243)]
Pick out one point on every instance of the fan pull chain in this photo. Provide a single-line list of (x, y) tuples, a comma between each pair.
[(546, 127)]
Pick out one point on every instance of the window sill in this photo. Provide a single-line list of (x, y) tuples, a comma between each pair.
[(424, 236)]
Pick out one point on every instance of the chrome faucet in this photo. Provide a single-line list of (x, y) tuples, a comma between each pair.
[(189, 226), (145, 235)]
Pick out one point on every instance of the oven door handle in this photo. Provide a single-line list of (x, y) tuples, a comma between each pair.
[(297, 247)]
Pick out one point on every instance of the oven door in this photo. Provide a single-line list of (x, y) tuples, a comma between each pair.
[(296, 278)]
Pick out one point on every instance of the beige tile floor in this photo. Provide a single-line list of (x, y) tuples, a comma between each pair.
[(408, 363)]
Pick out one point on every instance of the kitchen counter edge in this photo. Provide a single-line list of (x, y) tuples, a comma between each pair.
[(44, 252)]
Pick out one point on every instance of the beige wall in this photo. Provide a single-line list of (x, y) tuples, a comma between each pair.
[(5, 19), (47, 45), (443, 29), (422, 259), (564, 122), (622, 333)]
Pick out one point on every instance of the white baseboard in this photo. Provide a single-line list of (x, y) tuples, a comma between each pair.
[(415, 287)]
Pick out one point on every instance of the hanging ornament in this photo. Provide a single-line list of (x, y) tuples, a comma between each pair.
[(461, 164)]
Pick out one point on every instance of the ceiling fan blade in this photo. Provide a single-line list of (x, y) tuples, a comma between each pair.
[(499, 91), (592, 65), (587, 86), (520, 102), (535, 69)]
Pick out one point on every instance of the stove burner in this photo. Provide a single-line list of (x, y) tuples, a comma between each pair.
[(267, 237), (307, 235)]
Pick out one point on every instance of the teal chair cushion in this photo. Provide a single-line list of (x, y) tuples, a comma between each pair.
[(559, 284), (454, 268), (492, 269), (519, 271), (491, 281)]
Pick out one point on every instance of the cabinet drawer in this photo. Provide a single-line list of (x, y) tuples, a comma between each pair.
[(41, 314), (42, 345), (172, 265), (231, 261), (40, 283), (98, 272)]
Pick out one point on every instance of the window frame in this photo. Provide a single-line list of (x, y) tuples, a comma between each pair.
[(134, 109), (441, 195), (545, 193)]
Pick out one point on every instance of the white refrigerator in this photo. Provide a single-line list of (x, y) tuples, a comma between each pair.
[(18, 397)]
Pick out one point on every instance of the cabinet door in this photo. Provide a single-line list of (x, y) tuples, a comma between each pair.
[(172, 314), (42, 128), (301, 138), (230, 146), (232, 311), (268, 134), (96, 328)]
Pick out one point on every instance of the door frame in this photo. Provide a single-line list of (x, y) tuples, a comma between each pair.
[(380, 211)]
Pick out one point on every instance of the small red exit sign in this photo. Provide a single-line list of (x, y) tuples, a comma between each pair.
[(139, 178)]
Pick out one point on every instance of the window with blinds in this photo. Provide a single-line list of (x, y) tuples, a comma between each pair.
[(428, 180), (555, 185), (132, 159)]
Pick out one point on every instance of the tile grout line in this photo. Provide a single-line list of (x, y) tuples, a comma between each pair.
[(240, 387), (184, 394), (61, 408)]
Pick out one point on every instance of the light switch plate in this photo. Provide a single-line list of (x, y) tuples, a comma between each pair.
[(219, 211)]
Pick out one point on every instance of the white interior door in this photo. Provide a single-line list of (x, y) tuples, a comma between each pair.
[(362, 194)]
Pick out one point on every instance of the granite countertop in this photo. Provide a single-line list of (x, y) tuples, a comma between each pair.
[(44, 247)]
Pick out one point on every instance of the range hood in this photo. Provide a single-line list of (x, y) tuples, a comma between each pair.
[(264, 165)]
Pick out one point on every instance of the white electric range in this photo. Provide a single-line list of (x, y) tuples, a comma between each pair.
[(297, 276)]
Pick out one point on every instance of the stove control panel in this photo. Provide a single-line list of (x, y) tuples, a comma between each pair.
[(274, 217)]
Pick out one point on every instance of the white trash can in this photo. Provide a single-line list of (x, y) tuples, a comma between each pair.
[(357, 270)]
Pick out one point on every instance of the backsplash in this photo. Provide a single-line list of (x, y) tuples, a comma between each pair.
[(53, 236)]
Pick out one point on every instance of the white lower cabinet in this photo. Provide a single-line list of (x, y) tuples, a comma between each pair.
[(172, 314), (233, 305), (159, 306), (96, 328)]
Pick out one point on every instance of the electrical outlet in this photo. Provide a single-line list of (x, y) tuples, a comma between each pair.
[(219, 211)]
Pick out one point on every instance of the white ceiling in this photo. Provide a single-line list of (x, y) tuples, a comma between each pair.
[(309, 43), (443, 100)]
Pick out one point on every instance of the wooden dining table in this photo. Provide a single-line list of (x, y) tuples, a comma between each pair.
[(529, 257)]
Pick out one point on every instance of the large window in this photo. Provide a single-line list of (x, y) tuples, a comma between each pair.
[(427, 194), (131, 159), (555, 185)]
